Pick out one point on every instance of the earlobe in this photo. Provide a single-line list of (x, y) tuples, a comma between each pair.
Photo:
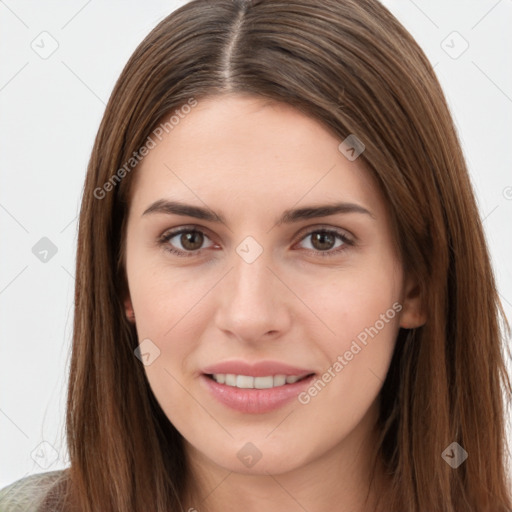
[(128, 307), (413, 312)]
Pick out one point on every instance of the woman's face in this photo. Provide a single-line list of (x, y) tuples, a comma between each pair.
[(267, 335)]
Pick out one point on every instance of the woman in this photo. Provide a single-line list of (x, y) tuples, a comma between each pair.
[(284, 299)]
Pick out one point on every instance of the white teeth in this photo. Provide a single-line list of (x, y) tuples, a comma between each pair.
[(280, 380), (244, 382), (248, 382), (264, 382)]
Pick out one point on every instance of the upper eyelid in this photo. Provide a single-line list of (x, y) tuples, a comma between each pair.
[(337, 230), (172, 232)]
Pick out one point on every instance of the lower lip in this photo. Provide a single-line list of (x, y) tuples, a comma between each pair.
[(255, 401)]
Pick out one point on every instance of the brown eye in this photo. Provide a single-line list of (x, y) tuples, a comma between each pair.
[(322, 240), (327, 242), (184, 242), (192, 240)]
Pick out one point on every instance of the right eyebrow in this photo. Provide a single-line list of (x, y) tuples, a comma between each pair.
[(187, 210)]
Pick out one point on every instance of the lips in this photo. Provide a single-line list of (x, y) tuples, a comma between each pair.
[(255, 388), (259, 369)]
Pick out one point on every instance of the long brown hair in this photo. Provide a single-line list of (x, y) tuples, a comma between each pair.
[(351, 65)]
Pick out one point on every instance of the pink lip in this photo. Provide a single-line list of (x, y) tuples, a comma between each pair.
[(259, 369), (255, 401)]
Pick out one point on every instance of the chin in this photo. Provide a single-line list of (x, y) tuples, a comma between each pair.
[(258, 459)]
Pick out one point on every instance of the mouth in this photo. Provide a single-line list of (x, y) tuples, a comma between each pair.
[(261, 382), (255, 388)]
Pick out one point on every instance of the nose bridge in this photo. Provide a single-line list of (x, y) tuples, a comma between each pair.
[(251, 283), (252, 303)]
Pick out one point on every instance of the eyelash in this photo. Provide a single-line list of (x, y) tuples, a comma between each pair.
[(167, 236)]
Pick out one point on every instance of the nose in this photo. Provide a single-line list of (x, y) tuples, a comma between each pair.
[(254, 305)]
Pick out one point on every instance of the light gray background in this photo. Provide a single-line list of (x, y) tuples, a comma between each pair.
[(50, 111)]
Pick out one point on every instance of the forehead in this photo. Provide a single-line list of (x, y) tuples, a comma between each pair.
[(253, 151)]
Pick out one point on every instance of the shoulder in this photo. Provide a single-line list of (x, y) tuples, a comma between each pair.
[(28, 493)]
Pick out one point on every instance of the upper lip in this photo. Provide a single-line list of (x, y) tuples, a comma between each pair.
[(257, 369)]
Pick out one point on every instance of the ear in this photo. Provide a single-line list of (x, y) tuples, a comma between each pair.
[(128, 307), (413, 312)]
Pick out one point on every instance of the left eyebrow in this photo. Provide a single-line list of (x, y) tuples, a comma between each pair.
[(312, 212), (288, 216)]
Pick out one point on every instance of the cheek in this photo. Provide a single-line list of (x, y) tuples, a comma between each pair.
[(165, 298), (358, 299), (363, 312), (170, 311), (169, 314)]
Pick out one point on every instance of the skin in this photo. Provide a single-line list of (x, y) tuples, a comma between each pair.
[(250, 159)]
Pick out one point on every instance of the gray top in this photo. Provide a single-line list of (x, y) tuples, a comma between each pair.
[(28, 493)]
